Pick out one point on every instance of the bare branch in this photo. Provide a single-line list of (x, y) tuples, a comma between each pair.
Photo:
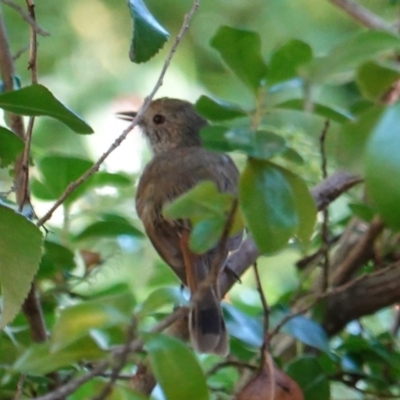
[(359, 254), (28, 18), (119, 365), (331, 188), (63, 391), (362, 296), (23, 186), (325, 212), (363, 15)]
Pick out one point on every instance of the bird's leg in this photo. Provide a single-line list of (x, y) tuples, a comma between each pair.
[(189, 262)]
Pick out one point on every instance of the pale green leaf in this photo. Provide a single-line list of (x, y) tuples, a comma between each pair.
[(58, 171), (348, 55), (305, 206), (10, 147), (76, 321), (176, 368), (37, 100), (108, 229), (286, 60), (375, 79), (41, 359), (20, 253), (268, 205), (241, 50), (218, 110), (382, 166)]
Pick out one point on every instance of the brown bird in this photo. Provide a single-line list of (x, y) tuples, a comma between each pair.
[(179, 163)]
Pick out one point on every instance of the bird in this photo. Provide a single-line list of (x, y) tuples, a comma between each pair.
[(179, 162)]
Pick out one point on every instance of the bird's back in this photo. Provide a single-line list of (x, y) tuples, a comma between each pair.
[(166, 177)]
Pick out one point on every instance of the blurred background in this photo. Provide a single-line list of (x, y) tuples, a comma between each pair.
[(84, 62)]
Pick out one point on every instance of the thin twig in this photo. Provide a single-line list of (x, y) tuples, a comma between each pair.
[(70, 387), (230, 363), (19, 53), (28, 18), (221, 247), (266, 341), (122, 359), (32, 66), (363, 15), (359, 254), (215, 268), (63, 391), (325, 212), (269, 364), (295, 314), (72, 186), (20, 387)]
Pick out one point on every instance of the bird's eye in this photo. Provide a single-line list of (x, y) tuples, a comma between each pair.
[(158, 119)]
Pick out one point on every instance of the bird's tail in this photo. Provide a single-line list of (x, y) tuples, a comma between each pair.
[(206, 324)]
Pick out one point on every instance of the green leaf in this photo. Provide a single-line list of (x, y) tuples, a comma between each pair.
[(160, 298), (353, 138), (37, 100), (300, 122), (103, 178), (346, 56), (287, 59), (362, 211), (293, 156), (218, 110), (76, 321), (40, 359), (108, 229), (305, 206), (176, 368), (57, 173), (260, 144), (268, 205), (20, 253), (375, 79), (382, 166), (214, 137), (206, 208), (11, 147), (325, 111), (307, 372), (205, 234), (148, 35), (308, 332), (56, 258), (244, 327), (241, 51)]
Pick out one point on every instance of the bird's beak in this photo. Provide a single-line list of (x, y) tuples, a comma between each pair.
[(127, 115)]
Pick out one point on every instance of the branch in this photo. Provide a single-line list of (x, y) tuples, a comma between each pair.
[(63, 391), (25, 16), (31, 306), (363, 296), (118, 353), (74, 185), (360, 253), (23, 186), (363, 15)]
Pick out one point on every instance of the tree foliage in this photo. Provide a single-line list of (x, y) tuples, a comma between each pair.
[(89, 310)]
